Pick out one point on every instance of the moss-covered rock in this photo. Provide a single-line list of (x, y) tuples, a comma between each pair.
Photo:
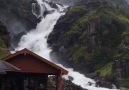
[(19, 10), (92, 32), (124, 83), (18, 17), (4, 41)]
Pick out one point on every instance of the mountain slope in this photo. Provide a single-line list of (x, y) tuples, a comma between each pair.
[(91, 36), (4, 41), (18, 18)]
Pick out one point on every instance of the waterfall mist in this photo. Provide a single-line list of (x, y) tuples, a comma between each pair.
[(66, 2), (127, 1), (36, 41), (14, 27)]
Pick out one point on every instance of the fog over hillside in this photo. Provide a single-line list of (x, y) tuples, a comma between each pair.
[(127, 1), (116, 2), (68, 2)]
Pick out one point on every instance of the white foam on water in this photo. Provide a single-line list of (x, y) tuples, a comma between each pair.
[(36, 41)]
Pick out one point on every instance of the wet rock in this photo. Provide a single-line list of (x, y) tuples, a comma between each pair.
[(17, 38), (122, 88), (55, 47), (70, 78), (15, 10), (53, 5), (68, 85), (62, 49), (17, 16)]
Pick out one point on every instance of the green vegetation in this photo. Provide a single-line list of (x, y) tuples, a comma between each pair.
[(4, 41), (96, 33), (124, 83), (21, 10), (105, 70), (103, 27), (77, 10), (14, 11), (4, 52), (97, 36)]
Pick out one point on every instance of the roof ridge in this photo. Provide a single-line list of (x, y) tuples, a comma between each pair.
[(25, 51)]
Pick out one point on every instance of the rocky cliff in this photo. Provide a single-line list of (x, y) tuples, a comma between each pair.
[(13, 10), (18, 17), (4, 40), (91, 36)]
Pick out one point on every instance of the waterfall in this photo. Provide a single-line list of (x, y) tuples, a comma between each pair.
[(36, 40)]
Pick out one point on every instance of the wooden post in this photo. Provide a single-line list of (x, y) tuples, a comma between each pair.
[(57, 82), (46, 82)]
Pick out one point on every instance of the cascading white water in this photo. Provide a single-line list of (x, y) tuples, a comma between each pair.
[(36, 40)]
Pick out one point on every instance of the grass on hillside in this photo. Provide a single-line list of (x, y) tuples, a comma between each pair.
[(105, 70)]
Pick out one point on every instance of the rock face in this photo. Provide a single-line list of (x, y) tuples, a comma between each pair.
[(68, 85), (17, 16), (91, 35), (67, 2), (4, 40), (18, 10)]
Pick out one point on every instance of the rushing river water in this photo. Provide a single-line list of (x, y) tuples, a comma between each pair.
[(36, 39)]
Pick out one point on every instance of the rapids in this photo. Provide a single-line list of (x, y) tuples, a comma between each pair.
[(36, 40)]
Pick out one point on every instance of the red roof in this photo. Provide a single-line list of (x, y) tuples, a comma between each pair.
[(28, 52)]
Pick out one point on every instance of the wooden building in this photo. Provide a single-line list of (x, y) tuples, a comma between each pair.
[(31, 72), (6, 69)]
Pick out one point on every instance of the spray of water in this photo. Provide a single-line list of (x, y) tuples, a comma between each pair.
[(36, 41)]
